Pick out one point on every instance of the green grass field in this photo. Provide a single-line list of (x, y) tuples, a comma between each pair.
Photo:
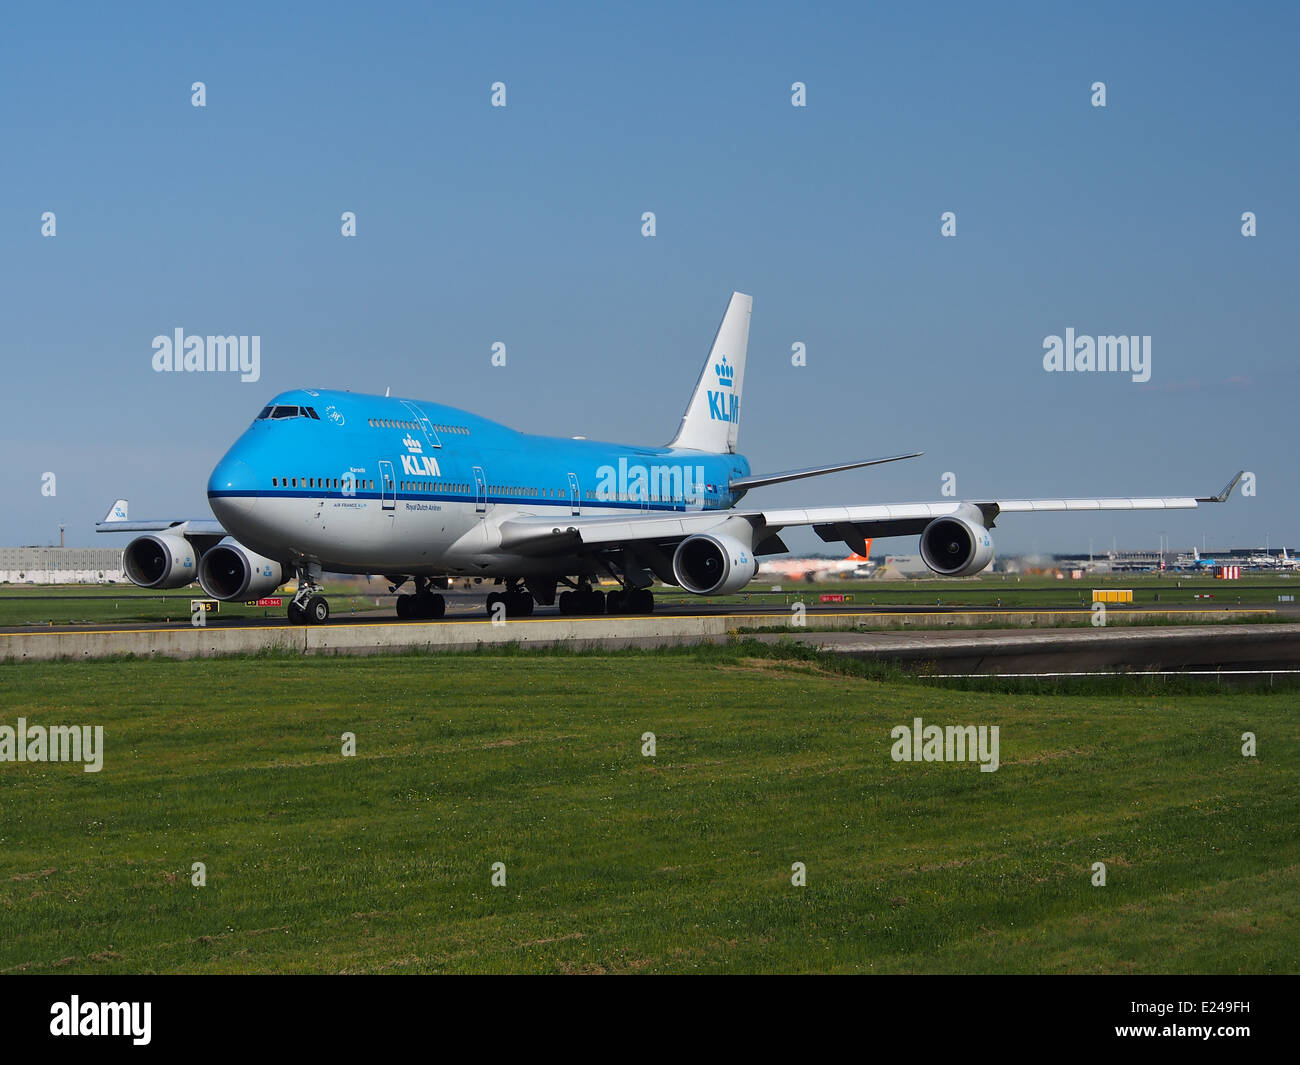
[(616, 862)]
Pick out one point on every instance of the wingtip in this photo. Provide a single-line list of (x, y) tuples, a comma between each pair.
[(1222, 497)]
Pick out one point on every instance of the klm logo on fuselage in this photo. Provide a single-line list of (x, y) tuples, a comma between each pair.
[(420, 466), (724, 406)]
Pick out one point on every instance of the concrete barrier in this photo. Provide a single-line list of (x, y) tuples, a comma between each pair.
[(361, 639), (599, 632)]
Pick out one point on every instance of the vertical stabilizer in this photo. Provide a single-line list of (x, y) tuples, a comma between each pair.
[(712, 419)]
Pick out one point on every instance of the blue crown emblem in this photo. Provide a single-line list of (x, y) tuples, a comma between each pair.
[(725, 371)]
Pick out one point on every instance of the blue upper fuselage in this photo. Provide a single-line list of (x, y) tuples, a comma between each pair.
[(314, 443)]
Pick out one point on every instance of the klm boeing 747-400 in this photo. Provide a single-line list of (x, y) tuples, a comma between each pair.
[(421, 492)]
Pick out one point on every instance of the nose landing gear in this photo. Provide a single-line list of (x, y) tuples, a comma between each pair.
[(308, 606)]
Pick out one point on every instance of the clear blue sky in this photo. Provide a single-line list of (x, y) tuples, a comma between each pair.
[(522, 225)]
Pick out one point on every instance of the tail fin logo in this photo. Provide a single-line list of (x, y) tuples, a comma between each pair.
[(724, 407), (725, 371), (117, 512)]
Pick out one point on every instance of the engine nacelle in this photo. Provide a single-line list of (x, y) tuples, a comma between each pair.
[(160, 560), (707, 564), (232, 571), (956, 547)]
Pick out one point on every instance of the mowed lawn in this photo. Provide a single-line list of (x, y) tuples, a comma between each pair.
[(617, 862)]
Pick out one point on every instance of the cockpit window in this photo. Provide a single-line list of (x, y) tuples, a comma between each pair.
[(281, 413)]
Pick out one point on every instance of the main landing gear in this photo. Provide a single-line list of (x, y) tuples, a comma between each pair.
[(425, 604), (517, 600), (630, 601), (586, 601), (308, 606)]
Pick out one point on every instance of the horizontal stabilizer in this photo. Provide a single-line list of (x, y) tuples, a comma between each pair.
[(741, 483)]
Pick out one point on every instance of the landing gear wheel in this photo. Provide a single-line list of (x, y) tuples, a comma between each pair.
[(318, 610), (640, 601), (405, 605), (518, 604), (429, 606), (616, 601), (568, 603), (593, 602), (296, 614)]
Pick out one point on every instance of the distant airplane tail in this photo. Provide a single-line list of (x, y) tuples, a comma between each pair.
[(864, 556), (117, 512), (712, 419)]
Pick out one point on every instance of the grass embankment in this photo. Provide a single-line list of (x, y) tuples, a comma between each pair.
[(619, 862)]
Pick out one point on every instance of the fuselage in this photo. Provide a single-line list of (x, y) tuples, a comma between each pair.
[(376, 484)]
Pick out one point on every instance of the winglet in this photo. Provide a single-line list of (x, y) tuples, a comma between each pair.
[(1222, 497), (117, 512)]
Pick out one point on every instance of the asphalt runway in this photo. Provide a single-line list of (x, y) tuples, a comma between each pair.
[(470, 606)]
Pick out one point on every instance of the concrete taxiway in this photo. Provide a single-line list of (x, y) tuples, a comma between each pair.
[(1183, 649)]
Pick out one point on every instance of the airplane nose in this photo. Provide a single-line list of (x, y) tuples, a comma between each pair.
[(231, 487)]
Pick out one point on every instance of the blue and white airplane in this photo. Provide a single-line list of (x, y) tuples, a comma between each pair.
[(421, 492)]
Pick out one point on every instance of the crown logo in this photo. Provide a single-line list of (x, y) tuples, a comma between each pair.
[(725, 371), (411, 443)]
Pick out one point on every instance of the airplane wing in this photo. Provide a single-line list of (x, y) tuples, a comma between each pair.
[(854, 525), (116, 520)]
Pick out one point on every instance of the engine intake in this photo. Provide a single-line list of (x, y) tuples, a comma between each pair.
[(706, 564), (160, 560), (232, 571), (956, 547)]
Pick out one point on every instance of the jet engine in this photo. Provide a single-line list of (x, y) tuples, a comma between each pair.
[(160, 560), (707, 564), (232, 571), (956, 547)]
